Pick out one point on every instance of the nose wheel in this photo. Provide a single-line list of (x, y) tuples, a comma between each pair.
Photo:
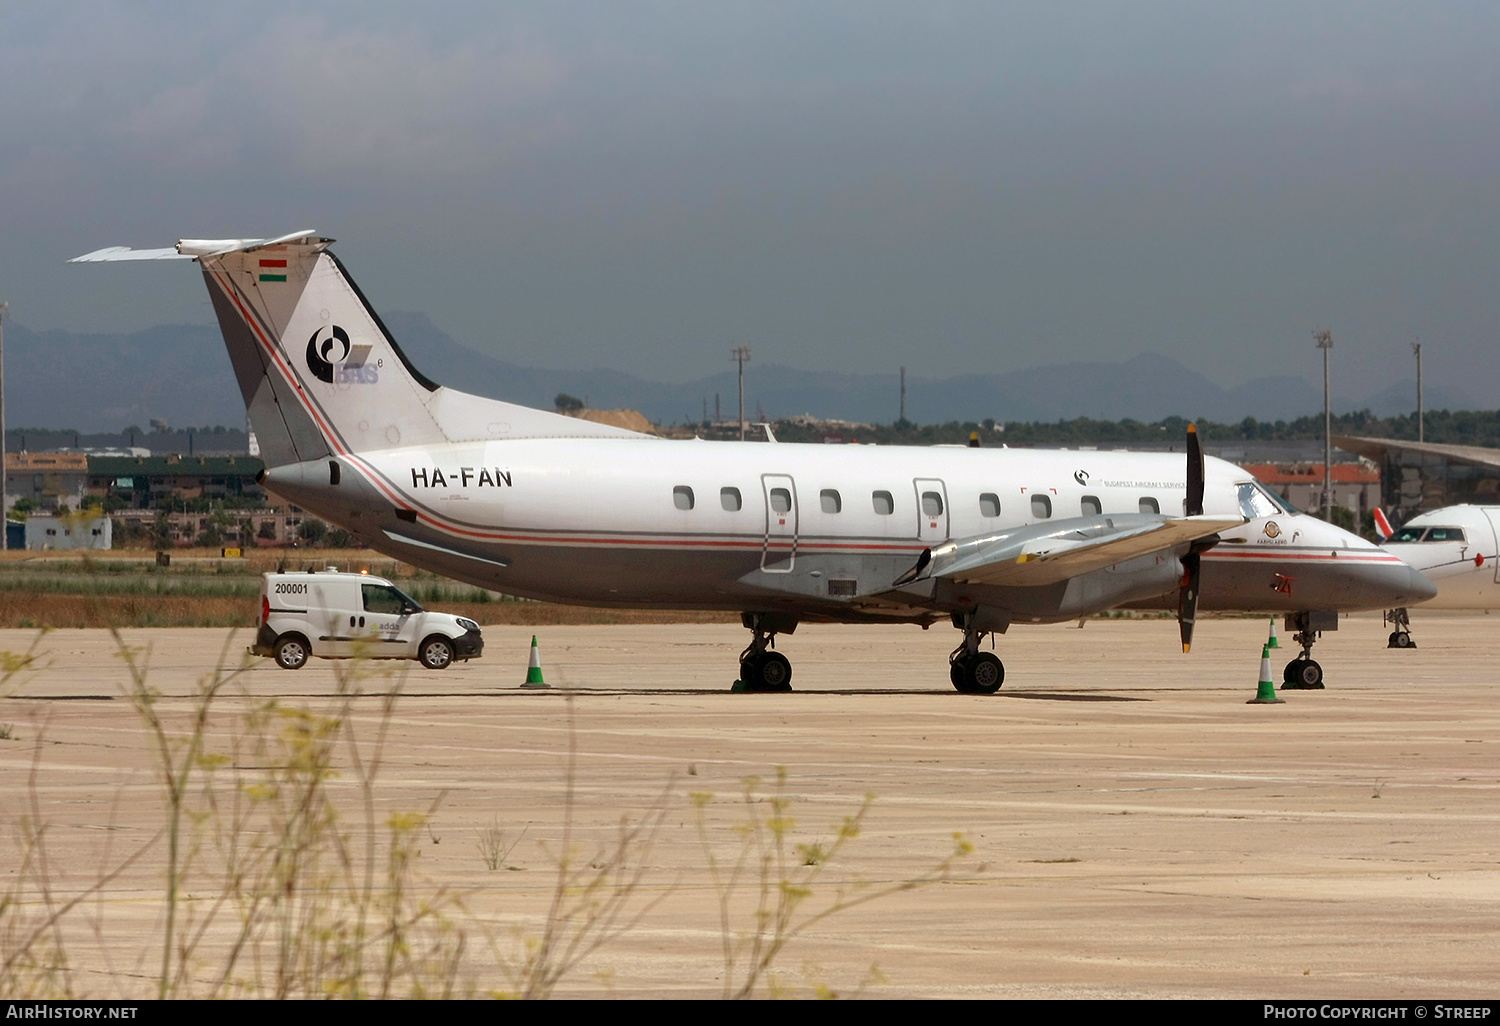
[(1401, 636), (1303, 673)]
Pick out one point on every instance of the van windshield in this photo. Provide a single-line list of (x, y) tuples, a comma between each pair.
[(383, 598)]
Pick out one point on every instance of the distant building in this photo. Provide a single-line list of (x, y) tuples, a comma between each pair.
[(142, 480), (68, 532), (1421, 476), (47, 479), (1356, 486)]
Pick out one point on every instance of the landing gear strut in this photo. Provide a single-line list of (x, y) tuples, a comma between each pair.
[(974, 672), (1302, 673), (1401, 636), (762, 670)]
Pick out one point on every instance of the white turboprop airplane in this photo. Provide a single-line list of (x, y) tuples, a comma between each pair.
[(1457, 548), (535, 504)]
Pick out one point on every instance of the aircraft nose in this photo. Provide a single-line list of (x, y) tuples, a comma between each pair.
[(1422, 589), (1398, 584)]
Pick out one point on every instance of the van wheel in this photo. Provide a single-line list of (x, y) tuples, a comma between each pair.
[(436, 654), (291, 652)]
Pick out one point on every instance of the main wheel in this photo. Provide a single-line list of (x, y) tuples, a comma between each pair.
[(1403, 640), (770, 671), (956, 673), (436, 653), (983, 674), (1292, 671), (291, 652)]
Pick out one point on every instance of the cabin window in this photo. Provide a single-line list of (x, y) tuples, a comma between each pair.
[(682, 497), (1447, 534), (884, 504), (781, 500), (1256, 502), (730, 499), (989, 505), (829, 497), (1090, 506), (932, 504), (1041, 507), (1149, 505)]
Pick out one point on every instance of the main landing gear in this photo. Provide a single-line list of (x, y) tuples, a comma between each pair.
[(762, 670), (1401, 636), (974, 672), (1302, 673)]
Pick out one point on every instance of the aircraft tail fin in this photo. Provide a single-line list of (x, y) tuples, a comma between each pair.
[(318, 370)]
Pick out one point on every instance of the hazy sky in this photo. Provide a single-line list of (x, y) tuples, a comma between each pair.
[(841, 185)]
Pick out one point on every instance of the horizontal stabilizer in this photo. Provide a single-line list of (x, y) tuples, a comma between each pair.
[(1044, 554), (112, 253), (191, 249)]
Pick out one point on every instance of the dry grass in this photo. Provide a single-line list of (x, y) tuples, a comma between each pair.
[(125, 588)]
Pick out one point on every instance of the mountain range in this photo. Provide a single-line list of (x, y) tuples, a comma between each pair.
[(181, 374)]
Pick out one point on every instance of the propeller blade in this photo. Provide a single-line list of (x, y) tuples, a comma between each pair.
[(1194, 472), (1187, 597)]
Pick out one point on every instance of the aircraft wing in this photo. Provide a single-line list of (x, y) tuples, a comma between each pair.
[(1048, 553)]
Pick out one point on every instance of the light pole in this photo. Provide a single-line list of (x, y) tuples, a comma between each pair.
[(1416, 348), (741, 356), (1324, 341)]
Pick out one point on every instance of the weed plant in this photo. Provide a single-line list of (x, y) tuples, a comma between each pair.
[(281, 877)]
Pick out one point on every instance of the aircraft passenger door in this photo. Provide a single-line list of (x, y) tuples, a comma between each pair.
[(780, 551), (1492, 513), (932, 511)]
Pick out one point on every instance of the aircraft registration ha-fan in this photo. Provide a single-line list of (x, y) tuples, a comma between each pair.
[(539, 505)]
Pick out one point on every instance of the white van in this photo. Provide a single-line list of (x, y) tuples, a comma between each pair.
[(338, 616)]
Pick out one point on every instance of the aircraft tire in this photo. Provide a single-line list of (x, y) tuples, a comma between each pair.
[(983, 674), (956, 674), (771, 672), (1403, 640), (1304, 675), (1289, 674)]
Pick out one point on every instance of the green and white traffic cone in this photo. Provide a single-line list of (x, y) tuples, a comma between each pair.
[(1265, 693), (1273, 643), (534, 671)]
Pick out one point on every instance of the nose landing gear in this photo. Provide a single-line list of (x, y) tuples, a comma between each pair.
[(974, 672), (1401, 636), (1303, 673)]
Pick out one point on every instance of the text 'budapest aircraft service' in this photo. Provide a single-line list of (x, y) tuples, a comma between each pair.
[(1457, 548), (535, 504)]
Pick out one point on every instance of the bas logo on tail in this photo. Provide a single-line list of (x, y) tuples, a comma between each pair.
[(327, 357), (335, 345)]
